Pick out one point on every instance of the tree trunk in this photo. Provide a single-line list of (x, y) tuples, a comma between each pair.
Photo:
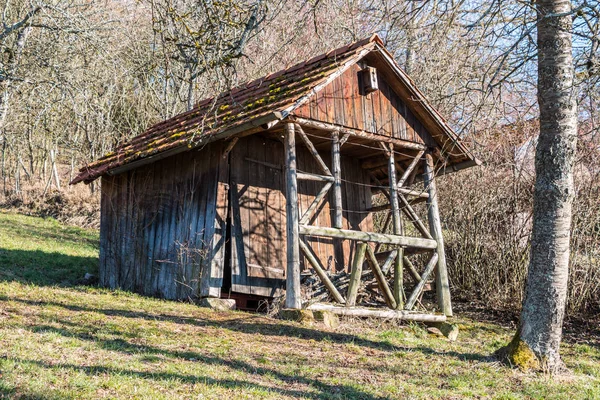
[(537, 342)]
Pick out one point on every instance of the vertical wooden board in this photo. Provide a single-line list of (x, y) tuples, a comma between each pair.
[(320, 106), (314, 107), (153, 216), (163, 199), (278, 159), (347, 100), (370, 125), (377, 117), (338, 100), (172, 275), (104, 264), (138, 211), (184, 284), (357, 99), (386, 108), (239, 274), (212, 225), (220, 236), (410, 123), (124, 234), (304, 110), (201, 238), (167, 248), (184, 231), (256, 248), (329, 104), (274, 227), (397, 119)]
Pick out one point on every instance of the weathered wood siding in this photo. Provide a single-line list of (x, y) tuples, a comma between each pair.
[(382, 112), (163, 226), (162, 223), (258, 213)]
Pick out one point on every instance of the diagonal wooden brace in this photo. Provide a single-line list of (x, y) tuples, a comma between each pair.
[(419, 288), (320, 272), (313, 151), (310, 211)]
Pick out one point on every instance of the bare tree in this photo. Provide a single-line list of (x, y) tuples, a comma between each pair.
[(537, 341)]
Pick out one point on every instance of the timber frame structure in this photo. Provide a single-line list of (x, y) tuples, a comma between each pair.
[(305, 149)]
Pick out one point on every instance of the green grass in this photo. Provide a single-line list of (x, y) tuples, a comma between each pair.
[(61, 341)]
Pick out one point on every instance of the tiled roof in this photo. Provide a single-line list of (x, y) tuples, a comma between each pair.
[(277, 92)]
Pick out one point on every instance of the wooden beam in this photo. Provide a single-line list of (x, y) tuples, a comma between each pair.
[(405, 241), (400, 143), (310, 211), (307, 176), (230, 146), (321, 272), (355, 274), (419, 288), (344, 139), (312, 150), (292, 293), (337, 186), (380, 278), (377, 313), (442, 285), (410, 169), (385, 268), (411, 268), (414, 217)]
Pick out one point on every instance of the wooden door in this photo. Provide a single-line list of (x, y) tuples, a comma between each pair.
[(257, 207)]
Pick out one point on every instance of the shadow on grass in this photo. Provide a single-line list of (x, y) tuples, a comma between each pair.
[(324, 391), (249, 324), (44, 268), (320, 389)]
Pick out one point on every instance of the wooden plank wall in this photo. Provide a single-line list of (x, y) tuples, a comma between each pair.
[(160, 224), (382, 112), (258, 213), (164, 225)]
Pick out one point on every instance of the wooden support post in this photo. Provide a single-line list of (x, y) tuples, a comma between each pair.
[(435, 227), (381, 281), (419, 288), (337, 185), (292, 292), (321, 272), (397, 224), (355, 274)]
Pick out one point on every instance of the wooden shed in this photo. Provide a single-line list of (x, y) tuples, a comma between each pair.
[(248, 189)]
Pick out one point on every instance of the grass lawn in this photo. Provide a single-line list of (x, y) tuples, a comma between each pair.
[(61, 341)]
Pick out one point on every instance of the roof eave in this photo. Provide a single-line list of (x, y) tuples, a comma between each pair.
[(264, 122)]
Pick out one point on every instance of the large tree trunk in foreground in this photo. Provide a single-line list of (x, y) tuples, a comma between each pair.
[(537, 342)]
